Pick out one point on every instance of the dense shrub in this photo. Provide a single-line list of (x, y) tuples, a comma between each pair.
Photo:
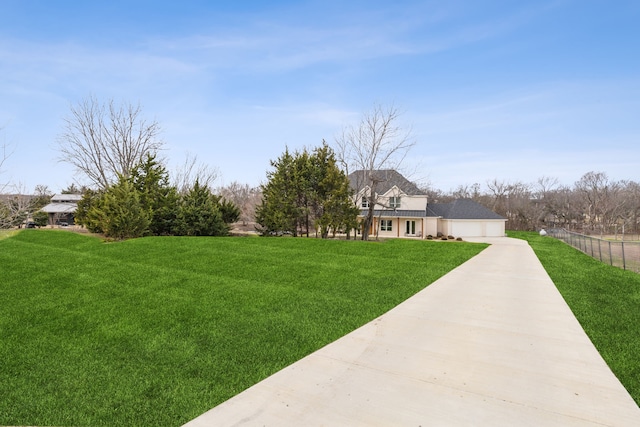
[(146, 204)]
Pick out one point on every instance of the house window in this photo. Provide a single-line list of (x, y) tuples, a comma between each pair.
[(394, 202), (365, 202), (386, 225), (410, 228)]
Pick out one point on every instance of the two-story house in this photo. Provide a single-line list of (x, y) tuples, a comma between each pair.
[(401, 209)]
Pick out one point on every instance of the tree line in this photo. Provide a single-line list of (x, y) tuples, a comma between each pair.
[(307, 192), (595, 204)]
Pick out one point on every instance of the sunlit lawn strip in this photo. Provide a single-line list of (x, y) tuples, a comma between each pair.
[(156, 331), (604, 299)]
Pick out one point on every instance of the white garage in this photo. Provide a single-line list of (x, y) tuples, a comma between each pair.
[(466, 218)]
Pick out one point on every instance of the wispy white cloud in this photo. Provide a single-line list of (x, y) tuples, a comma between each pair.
[(263, 44), (45, 62), (250, 83)]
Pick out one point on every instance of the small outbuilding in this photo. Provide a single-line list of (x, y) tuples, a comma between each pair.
[(62, 209)]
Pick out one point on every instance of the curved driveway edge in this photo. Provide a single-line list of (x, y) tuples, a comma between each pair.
[(492, 343)]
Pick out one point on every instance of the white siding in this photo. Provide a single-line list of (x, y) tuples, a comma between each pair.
[(411, 203), (423, 227), (415, 203), (496, 228), (430, 227)]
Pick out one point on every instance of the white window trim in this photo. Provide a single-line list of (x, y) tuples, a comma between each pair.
[(386, 225)]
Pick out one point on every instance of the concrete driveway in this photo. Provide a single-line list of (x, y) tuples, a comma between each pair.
[(492, 343)]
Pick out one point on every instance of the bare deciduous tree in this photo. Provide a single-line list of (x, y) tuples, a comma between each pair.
[(519, 206), (4, 155), (602, 200), (14, 206), (543, 200), (103, 141), (498, 190), (467, 192), (246, 198), (191, 171), (376, 143), (630, 215)]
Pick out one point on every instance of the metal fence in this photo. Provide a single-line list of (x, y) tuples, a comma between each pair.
[(625, 255)]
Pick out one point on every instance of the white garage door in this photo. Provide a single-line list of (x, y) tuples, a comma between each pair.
[(477, 228), (461, 228)]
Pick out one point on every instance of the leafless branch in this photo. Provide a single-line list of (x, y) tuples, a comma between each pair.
[(246, 198), (376, 143), (15, 207), (103, 141), (191, 170)]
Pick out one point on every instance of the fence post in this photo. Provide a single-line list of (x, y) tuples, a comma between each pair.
[(600, 249), (624, 262), (610, 256)]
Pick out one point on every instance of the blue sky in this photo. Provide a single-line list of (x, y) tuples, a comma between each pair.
[(508, 90)]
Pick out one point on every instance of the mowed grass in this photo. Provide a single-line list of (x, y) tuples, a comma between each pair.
[(156, 331), (7, 233), (604, 299)]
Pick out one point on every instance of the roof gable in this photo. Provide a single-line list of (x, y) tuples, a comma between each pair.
[(385, 180), (394, 191)]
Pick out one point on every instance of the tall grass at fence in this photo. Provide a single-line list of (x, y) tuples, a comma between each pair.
[(604, 299), (156, 331)]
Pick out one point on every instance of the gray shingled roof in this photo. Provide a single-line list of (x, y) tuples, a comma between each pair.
[(395, 213), (66, 198), (60, 208), (386, 179), (461, 209), (63, 203)]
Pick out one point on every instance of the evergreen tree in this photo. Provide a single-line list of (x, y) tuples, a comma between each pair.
[(306, 191), (303, 185), (41, 218), (199, 214), (230, 212), (121, 213), (88, 213), (333, 208), (278, 212), (151, 180)]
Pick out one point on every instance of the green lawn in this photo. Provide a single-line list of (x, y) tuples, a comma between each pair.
[(6, 233), (604, 299), (155, 331)]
